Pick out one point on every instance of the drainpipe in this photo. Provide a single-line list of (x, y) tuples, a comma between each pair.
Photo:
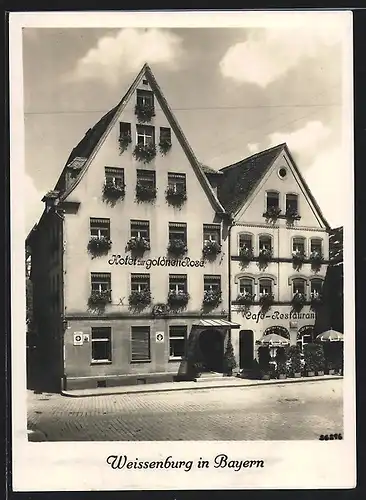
[(229, 266), (61, 282)]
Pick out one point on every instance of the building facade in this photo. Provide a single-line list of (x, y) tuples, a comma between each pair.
[(279, 251)]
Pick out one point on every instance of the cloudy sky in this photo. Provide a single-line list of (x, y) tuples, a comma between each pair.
[(234, 92)]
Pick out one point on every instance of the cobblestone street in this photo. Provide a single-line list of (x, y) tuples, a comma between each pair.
[(274, 412)]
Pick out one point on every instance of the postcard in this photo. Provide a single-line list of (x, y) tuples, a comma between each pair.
[(182, 250)]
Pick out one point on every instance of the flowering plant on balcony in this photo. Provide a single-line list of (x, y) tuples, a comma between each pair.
[(266, 299), (316, 259), (265, 255), (298, 258), (177, 247), (113, 192), (316, 299), (99, 298), (145, 192), (177, 299), (291, 213), (144, 152), (298, 300), (164, 146), (99, 245), (212, 298), (144, 112), (140, 298), (175, 196), (138, 244), (211, 248), (272, 213), (124, 141), (245, 298), (246, 254)]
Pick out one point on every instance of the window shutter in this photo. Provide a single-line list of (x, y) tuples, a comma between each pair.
[(140, 343)]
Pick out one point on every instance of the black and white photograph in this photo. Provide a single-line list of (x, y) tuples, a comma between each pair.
[(182, 210)]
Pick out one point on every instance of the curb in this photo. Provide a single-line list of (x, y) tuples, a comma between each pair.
[(202, 387)]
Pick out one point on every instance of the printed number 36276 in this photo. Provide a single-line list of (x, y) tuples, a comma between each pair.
[(330, 437)]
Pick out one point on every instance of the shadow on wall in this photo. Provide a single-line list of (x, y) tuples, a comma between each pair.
[(38, 379)]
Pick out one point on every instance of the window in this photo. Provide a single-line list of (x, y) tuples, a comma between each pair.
[(140, 282), (316, 286), (316, 245), (145, 135), (100, 282), (246, 286), (177, 182), (299, 286), (282, 172), (212, 283), (211, 232), (305, 336), (298, 245), (145, 82), (146, 178), (178, 231), (265, 286), (272, 200), (100, 228), (115, 176), (144, 98), (101, 344), (245, 241), (177, 342), (165, 134), (265, 242), (178, 283), (140, 343), (140, 229), (292, 203), (124, 129)]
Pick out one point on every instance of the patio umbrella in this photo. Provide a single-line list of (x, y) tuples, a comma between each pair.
[(273, 339), (330, 336)]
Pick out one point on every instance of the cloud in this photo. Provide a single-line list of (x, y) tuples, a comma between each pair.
[(253, 147), (269, 53), (126, 52), (33, 205), (304, 139)]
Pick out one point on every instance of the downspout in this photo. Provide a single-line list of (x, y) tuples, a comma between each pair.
[(229, 266), (62, 318)]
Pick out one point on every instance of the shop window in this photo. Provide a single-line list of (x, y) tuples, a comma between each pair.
[(245, 241), (272, 200), (211, 232), (140, 282), (246, 286), (177, 342), (298, 245), (177, 182), (299, 286), (265, 242), (114, 176), (292, 204), (145, 135), (316, 245), (212, 283), (178, 283), (265, 287), (140, 229), (178, 231), (101, 344), (140, 343), (100, 228)]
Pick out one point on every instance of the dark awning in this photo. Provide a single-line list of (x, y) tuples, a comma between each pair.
[(218, 323)]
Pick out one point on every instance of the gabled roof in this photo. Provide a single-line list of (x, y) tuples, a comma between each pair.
[(94, 138), (241, 178)]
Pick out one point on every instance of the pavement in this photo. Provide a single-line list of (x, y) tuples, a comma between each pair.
[(199, 384), (279, 410)]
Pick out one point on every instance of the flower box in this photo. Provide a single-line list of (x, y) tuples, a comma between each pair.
[(297, 375), (140, 298), (99, 299), (265, 255), (99, 246), (136, 244), (310, 374), (245, 298), (164, 146), (175, 196), (298, 301), (266, 299), (246, 254), (113, 192), (316, 301), (124, 141), (211, 249), (316, 259), (331, 372), (282, 376), (266, 376), (145, 153), (272, 213), (298, 258), (178, 299), (320, 373), (177, 247), (291, 214), (145, 192), (212, 298), (144, 112)]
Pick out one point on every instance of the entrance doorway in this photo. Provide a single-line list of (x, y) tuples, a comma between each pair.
[(246, 348), (211, 343)]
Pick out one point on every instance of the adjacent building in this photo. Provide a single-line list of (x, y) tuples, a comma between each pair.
[(144, 257)]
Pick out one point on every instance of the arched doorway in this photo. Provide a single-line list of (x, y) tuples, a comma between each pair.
[(246, 348), (278, 330), (211, 343)]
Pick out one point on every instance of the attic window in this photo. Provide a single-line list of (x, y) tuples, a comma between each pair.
[(145, 82), (282, 173)]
